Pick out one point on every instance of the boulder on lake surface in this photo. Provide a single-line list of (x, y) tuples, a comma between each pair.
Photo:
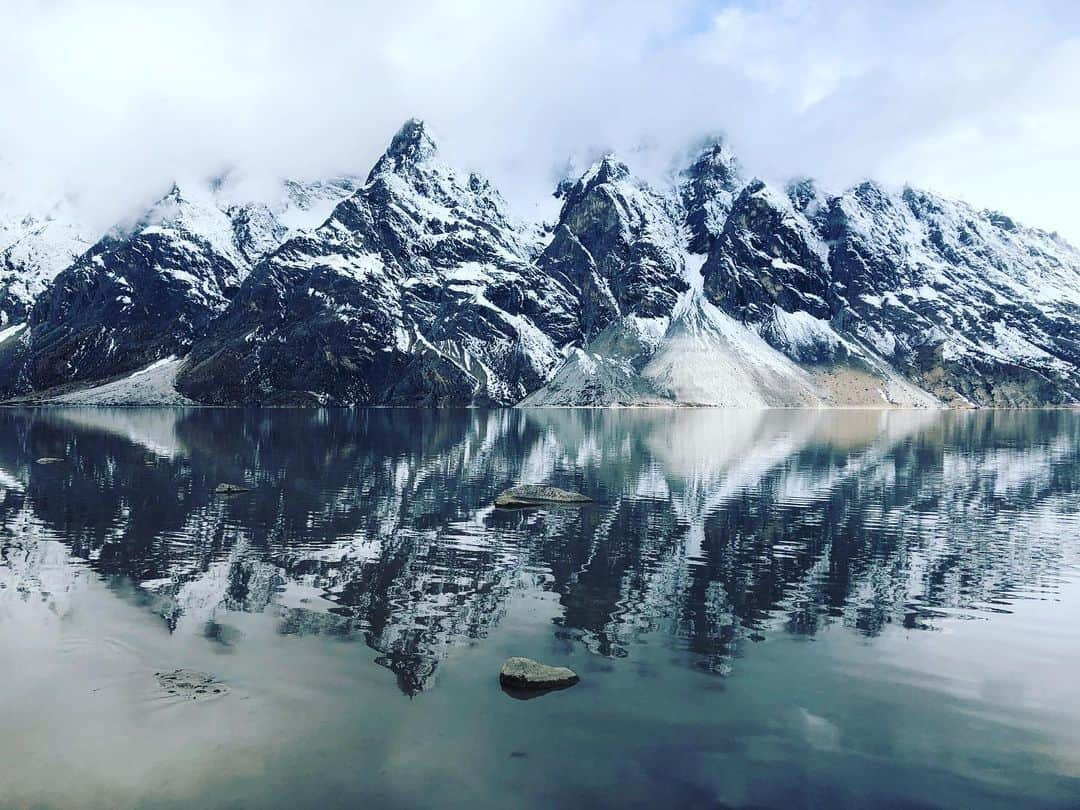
[(537, 495), (230, 489), (51, 460), (525, 673)]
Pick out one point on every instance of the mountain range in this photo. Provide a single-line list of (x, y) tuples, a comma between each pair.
[(417, 286)]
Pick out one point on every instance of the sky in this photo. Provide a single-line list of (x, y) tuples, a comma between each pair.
[(110, 100)]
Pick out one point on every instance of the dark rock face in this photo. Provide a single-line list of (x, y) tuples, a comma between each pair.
[(143, 292), (709, 187), (767, 255), (417, 290), (769, 262), (132, 299), (617, 243)]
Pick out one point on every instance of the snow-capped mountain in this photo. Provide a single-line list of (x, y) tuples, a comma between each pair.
[(148, 288), (867, 284), (861, 298), (618, 244), (417, 289), (967, 304), (33, 249), (418, 286)]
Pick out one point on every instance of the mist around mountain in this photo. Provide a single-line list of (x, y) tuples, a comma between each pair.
[(418, 286)]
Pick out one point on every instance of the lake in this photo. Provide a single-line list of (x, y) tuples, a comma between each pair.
[(785, 608)]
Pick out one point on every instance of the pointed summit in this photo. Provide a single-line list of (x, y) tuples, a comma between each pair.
[(414, 140), (709, 186), (412, 144), (716, 161), (608, 169), (803, 193)]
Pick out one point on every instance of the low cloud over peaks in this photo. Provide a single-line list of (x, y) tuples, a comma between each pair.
[(109, 99)]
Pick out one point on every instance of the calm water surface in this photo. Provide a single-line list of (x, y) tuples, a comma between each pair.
[(767, 609)]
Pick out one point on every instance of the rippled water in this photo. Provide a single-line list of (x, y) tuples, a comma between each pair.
[(777, 608)]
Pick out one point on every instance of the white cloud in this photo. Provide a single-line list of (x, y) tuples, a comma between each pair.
[(113, 98)]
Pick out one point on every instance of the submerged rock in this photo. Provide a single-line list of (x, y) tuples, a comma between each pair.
[(535, 495), (51, 460), (525, 673), (190, 683), (230, 489)]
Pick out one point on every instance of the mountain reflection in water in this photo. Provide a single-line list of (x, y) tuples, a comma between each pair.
[(711, 530)]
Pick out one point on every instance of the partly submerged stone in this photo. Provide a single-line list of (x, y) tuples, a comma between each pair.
[(190, 683), (230, 489), (51, 460), (536, 494), (525, 673)]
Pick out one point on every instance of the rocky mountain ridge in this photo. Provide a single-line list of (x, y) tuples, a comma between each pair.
[(416, 286), (34, 248)]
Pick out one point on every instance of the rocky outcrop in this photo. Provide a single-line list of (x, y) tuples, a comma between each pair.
[(230, 489), (617, 244), (524, 495), (417, 290), (525, 673), (190, 684), (708, 189)]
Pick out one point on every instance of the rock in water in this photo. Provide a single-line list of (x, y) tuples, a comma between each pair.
[(535, 495), (230, 489), (524, 673), (189, 683)]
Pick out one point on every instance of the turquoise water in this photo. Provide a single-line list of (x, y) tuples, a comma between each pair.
[(767, 609)]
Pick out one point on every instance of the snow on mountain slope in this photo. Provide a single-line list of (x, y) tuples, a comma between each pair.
[(966, 304), (709, 358), (147, 288), (618, 244), (416, 286), (418, 289), (33, 249), (708, 188)]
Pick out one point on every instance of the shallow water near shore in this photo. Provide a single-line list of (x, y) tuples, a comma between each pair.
[(765, 608)]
